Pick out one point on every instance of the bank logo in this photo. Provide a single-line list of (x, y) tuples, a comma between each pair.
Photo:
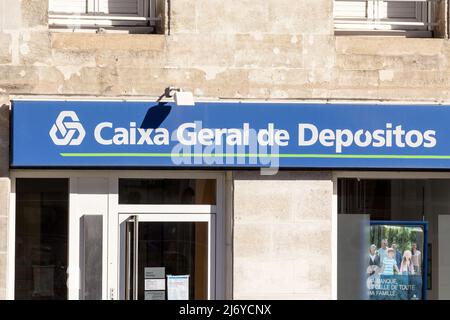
[(65, 128)]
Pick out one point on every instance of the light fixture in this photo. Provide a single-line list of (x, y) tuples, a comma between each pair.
[(181, 98)]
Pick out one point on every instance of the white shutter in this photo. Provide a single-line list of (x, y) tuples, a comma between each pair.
[(68, 6), (350, 9), (128, 7)]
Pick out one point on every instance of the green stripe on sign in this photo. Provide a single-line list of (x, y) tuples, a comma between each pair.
[(254, 155)]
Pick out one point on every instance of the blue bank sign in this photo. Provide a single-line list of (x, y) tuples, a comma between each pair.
[(290, 135)]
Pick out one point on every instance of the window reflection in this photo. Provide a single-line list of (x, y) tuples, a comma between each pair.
[(41, 238), (408, 218)]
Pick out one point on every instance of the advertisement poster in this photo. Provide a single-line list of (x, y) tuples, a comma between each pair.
[(396, 258)]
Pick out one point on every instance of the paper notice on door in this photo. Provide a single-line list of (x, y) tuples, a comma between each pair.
[(178, 287), (155, 273), (154, 295), (155, 284)]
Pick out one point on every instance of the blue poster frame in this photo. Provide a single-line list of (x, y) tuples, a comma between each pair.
[(424, 225)]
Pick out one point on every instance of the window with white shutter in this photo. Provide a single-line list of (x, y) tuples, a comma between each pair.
[(123, 15), (387, 17)]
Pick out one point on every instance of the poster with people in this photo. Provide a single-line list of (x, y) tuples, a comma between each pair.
[(395, 261)]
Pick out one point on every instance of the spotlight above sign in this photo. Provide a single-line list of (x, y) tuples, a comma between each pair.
[(181, 98)]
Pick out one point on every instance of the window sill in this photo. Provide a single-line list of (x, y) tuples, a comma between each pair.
[(86, 41), (101, 30), (384, 33), (92, 23), (386, 46)]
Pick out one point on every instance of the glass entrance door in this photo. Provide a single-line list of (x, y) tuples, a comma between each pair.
[(167, 257)]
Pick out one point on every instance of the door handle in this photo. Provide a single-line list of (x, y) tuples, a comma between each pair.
[(67, 277), (135, 256), (132, 237), (72, 272)]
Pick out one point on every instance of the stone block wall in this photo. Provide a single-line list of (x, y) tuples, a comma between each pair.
[(235, 49), (282, 235)]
